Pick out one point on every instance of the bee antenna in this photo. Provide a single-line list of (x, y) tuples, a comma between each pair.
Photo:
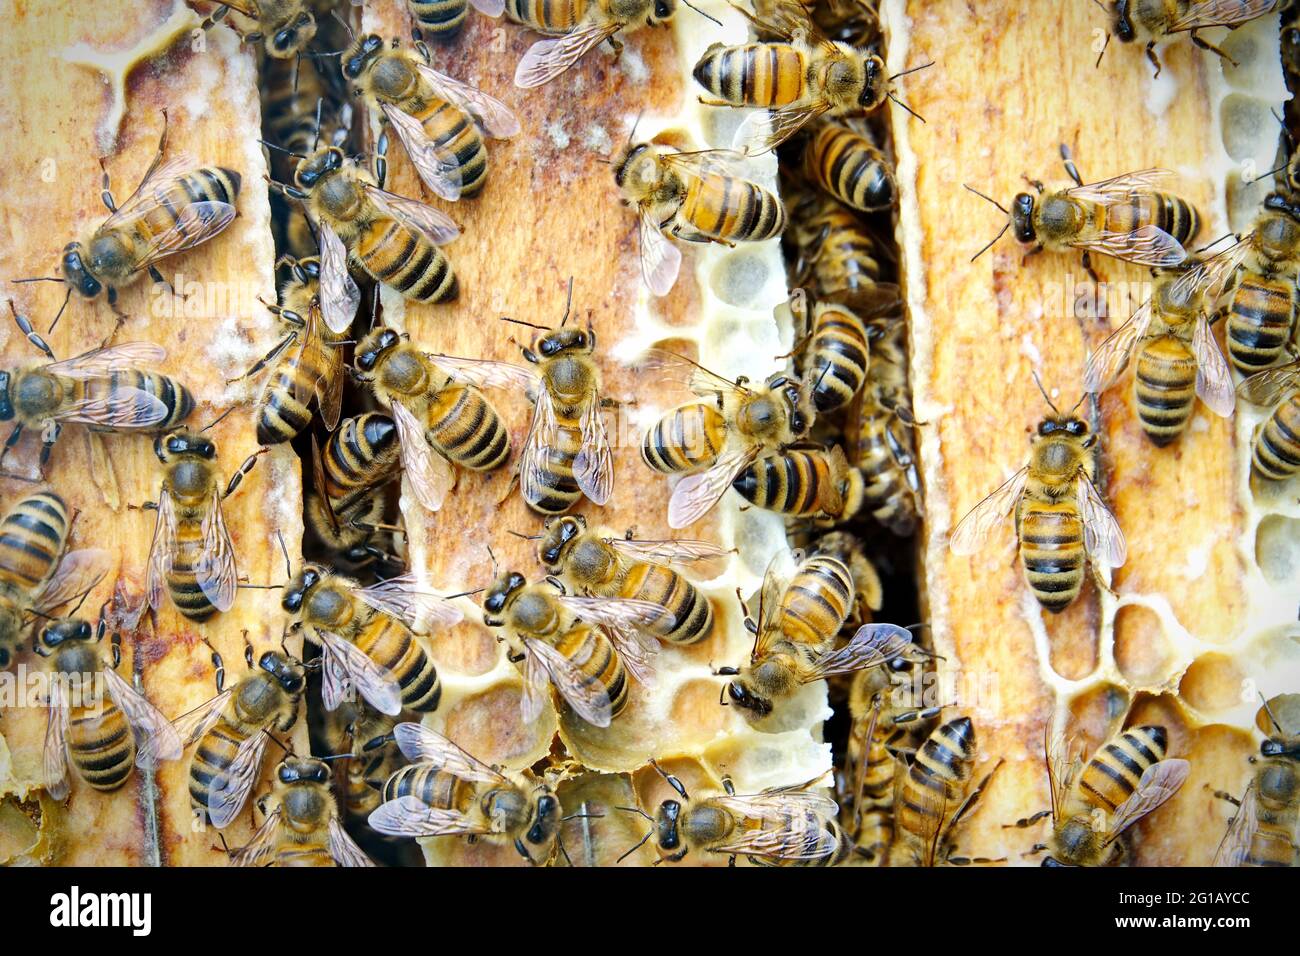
[(1039, 382), (635, 123), (904, 105), (640, 843), (526, 537), (1275, 169), (346, 26), (58, 315), (914, 69), (568, 303), (217, 419), (991, 243), (297, 64), (1104, 45), (320, 101), (288, 565), (493, 557), (448, 597), (1269, 710), (702, 13), (38, 279), (531, 325), (25, 327), (280, 149), (987, 199)]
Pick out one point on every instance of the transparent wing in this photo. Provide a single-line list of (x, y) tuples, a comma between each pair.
[(547, 59), (670, 551), (162, 551), (1120, 188), (421, 611), (1213, 380), (593, 468), (410, 817), (55, 753), (339, 295), (619, 612), (695, 495), (1219, 13), (342, 847), (438, 169), (1160, 782), (673, 368), (1148, 246), (148, 724), (351, 667), (145, 200), (872, 645), (1235, 845), (124, 407), (487, 373), (660, 259), (317, 353), (192, 726), (795, 799), (1107, 363), (99, 362), (764, 130), (419, 744), (636, 652), (536, 684), (973, 531), (437, 227), (215, 571), (427, 470), (494, 116), (1102, 537), (263, 843), (588, 699), (1269, 387), (77, 574), (543, 435), (230, 789), (770, 610), (489, 8), (195, 224), (709, 162)]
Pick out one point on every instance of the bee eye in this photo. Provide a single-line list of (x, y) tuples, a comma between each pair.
[(662, 10), (1046, 428)]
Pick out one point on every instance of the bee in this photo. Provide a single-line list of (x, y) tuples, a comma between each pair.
[(103, 389), (304, 826), (784, 826), (365, 735), (882, 444), (700, 196), (850, 550), (1060, 516), (846, 164), (1263, 832), (286, 26), (1275, 452), (1154, 20), (443, 19), (585, 646), (368, 637), (837, 350), (1124, 217), (437, 118), (447, 792), (98, 737), (360, 457), (290, 98), (604, 564), (839, 260), (1126, 779), (794, 637), (191, 556), (802, 483), (439, 418), (173, 210), (313, 369), (713, 439), (792, 81), (1177, 357), (37, 571), (1261, 316)]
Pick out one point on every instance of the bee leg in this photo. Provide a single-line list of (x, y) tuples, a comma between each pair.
[(106, 190), (1207, 45), (244, 469), (1027, 821), (160, 280), (1155, 60), (1224, 795), (728, 786), (14, 435), (616, 45), (1031, 253), (266, 359), (219, 667), (1100, 582), (710, 101), (381, 157), (1087, 267), (49, 436)]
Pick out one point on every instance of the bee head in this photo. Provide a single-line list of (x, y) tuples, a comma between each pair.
[(182, 444), (287, 672), (873, 83), (1279, 720), (374, 346), (565, 340), (636, 169), (1063, 425), (77, 274), (660, 12), (499, 595), (292, 38), (66, 629), (797, 399), (544, 829), (560, 531), (1022, 217), (1121, 22), (296, 591), (744, 696), (363, 52), (6, 402), (667, 836), (319, 164), (303, 770)]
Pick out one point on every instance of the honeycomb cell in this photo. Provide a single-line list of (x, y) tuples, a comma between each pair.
[(738, 278), (1097, 711), (1244, 195), (1212, 683), (486, 724), (469, 649), (1143, 653), (1277, 551), (600, 828), (1244, 123)]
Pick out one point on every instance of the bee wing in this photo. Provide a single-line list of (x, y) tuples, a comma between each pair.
[(486, 373), (411, 817), (1107, 363), (1160, 782), (438, 169), (871, 301), (872, 645), (678, 368), (421, 611), (342, 847), (1148, 246), (588, 700), (708, 162), (195, 224), (1102, 537), (162, 551), (262, 844), (660, 259), (215, 571), (427, 470), (99, 362), (764, 130), (547, 59), (543, 435), (55, 754), (1235, 845), (419, 744), (536, 687), (192, 726), (671, 551), (437, 227), (1219, 13), (147, 723), (339, 295), (770, 609), (796, 798), (494, 116), (315, 353), (1269, 387), (230, 788), (124, 407), (619, 612), (1213, 380), (787, 19), (788, 833), (695, 495), (489, 8), (77, 574), (593, 469), (318, 483), (636, 652), (347, 666), (1120, 188), (973, 531), (143, 199)]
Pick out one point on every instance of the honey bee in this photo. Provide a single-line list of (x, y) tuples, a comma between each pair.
[(796, 79), (443, 19), (604, 564), (784, 826), (846, 164), (1123, 217), (360, 457), (284, 27), (839, 260), (191, 556), (440, 419), (437, 118), (368, 637), (803, 483), (446, 792), (1263, 832), (837, 350), (1275, 452), (37, 571), (1154, 20), (1126, 779), (714, 439), (1177, 357), (794, 637), (290, 99), (103, 389), (365, 735), (303, 826), (98, 737), (1261, 317), (850, 550), (1060, 516), (700, 196)]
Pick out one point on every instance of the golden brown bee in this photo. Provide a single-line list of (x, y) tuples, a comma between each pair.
[(360, 457), (446, 792), (101, 737), (365, 735), (437, 118), (1275, 452), (846, 164), (1060, 516), (701, 196), (285, 27), (191, 556), (1126, 779), (1261, 317), (839, 259), (803, 483), (1263, 832), (1177, 357), (601, 563), (836, 350), (1154, 20), (443, 19), (303, 826), (850, 550)]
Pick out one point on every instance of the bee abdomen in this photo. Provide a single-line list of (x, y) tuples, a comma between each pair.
[(392, 646), (32, 537), (1260, 320), (101, 747), (431, 785), (559, 489), (362, 452), (1051, 549), (839, 357), (281, 415), (1166, 388), (937, 778), (1113, 773), (752, 74), (182, 578), (211, 184), (850, 167), (547, 16), (439, 19), (407, 262), (692, 611), (789, 484), (733, 210), (1178, 217), (470, 432), (687, 439), (1276, 455), (174, 397), (304, 854), (594, 655), (884, 455), (215, 752), (817, 601)]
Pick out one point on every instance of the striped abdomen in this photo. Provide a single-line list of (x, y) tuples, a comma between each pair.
[(817, 602), (731, 210), (1051, 550), (547, 16), (850, 167), (689, 438), (593, 654), (174, 396), (936, 783), (1165, 386), (1113, 773), (432, 786), (820, 842), (1175, 216), (439, 19), (100, 744), (33, 536), (873, 798), (205, 184), (309, 853), (559, 489), (189, 556), (213, 756), (406, 261), (846, 256), (1277, 809), (839, 353), (792, 484), (661, 585), (362, 453), (753, 74), (391, 645), (1260, 320), (282, 411), (885, 459), (453, 133), (1276, 452), (467, 429)]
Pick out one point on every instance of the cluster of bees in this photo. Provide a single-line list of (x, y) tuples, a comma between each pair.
[(828, 443)]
